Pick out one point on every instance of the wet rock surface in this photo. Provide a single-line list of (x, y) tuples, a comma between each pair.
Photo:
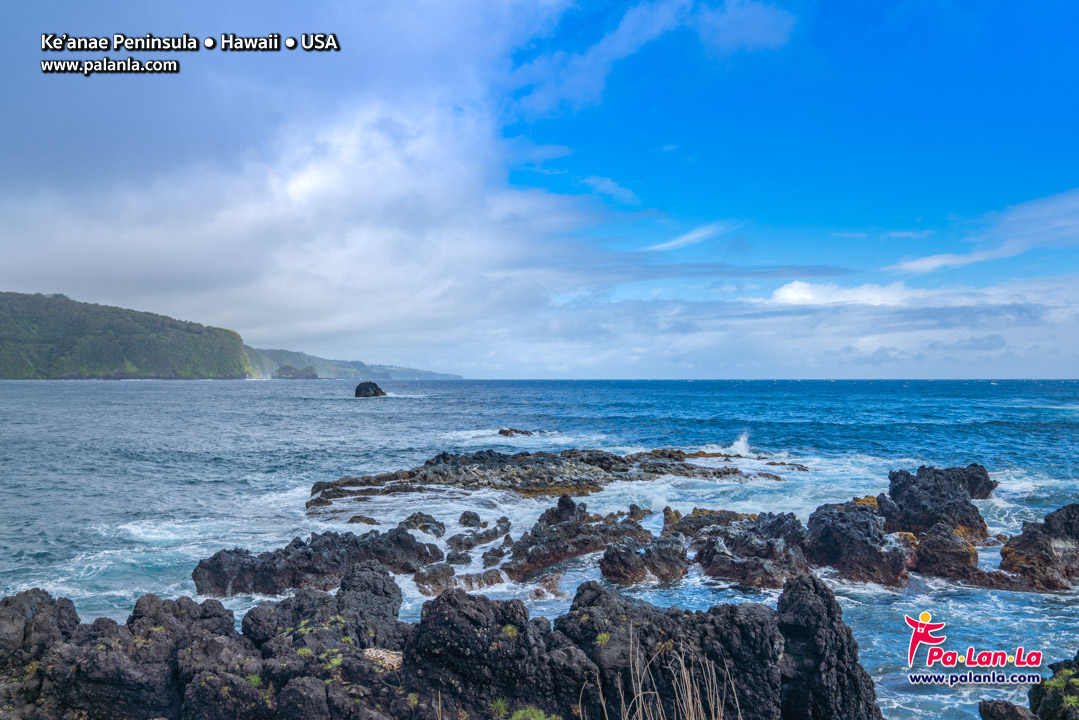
[(320, 562), (563, 532), (850, 537), (915, 503), (573, 472), (369, 389), (318, 655), (1046, 554), (691, 524), (762, 551), (630, 562)]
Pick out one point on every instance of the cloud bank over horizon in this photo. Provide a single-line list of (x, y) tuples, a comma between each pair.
[(473, 195)]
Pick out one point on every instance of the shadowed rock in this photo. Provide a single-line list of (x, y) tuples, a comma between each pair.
[(424, 523), (915, 503), (1003, 710), (850, 537), (820, 671), (630, 562), (761, 552), (564, 532), (689, 525), (573, 472), (319, 562), (369, 389), (1046, 554)]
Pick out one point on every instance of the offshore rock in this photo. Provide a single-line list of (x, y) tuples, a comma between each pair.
[(1046, 554), (369, 389), (319, 563), (915, 503), (566, 531), (1003, 710), (944, 553), (424, 523), (543, 474), (761, 552), (689, 525), (850, 537), (625, 564), (463, 542)]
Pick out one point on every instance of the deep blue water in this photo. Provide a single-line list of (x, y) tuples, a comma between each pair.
[(115, 489)]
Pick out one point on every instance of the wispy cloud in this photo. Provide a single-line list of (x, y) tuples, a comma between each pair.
[(576, 80), (608, 187), (697, 235), (1048, 222)]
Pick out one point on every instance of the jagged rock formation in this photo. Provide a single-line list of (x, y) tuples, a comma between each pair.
[(320, 562), (572, 472), (317, 656)]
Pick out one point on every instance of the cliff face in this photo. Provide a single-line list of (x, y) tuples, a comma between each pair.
[(267, 362), (51, 336)]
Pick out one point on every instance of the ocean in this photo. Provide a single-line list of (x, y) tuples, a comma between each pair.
[(116, 489)]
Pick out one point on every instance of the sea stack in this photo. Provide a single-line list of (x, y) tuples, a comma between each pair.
[(369, 389)]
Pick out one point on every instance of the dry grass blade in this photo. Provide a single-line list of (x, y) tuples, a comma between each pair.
[(700, 690)]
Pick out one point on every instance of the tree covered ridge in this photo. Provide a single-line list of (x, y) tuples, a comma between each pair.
[(52, 336)]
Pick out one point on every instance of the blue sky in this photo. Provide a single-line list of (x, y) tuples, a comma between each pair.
[(550, 189)]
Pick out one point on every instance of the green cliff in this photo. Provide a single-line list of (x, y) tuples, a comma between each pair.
[(266, 362), (51, 336)]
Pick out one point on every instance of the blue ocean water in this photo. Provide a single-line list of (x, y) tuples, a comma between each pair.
[(115, 489)]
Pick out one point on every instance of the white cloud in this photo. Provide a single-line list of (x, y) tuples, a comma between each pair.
[(575, 80), (743, 25), (609, 188), (800, 292), (697, 235), (1048, 222)]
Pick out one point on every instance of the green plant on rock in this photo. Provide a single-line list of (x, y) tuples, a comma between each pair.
[(304, 652), (603, 638), (530, 712), (254, 679), (499, 708), (510, 631)]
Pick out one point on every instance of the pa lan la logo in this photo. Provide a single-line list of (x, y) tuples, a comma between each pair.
[(922, 633)]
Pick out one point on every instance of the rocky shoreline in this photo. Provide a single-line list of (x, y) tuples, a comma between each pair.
[(318, 654)]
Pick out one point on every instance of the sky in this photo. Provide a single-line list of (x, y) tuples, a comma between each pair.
[(549, 189)]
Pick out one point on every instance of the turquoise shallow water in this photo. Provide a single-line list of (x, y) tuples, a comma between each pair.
[(115, 489)]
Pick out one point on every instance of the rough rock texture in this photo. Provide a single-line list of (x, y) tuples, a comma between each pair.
[(1003, 710), (369, 389), (469, 519), (975, 479), (850, 537), (915, 503), (623, 563), (424, 523), (821, 674), (332, 657), (689, 525), (319, 562), (761, 552), (365, 608), (514, 432), (566, 531), (573, 472), (466, 541), (630, 562), (1046, 554), (1058, 697), (945, 553)]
